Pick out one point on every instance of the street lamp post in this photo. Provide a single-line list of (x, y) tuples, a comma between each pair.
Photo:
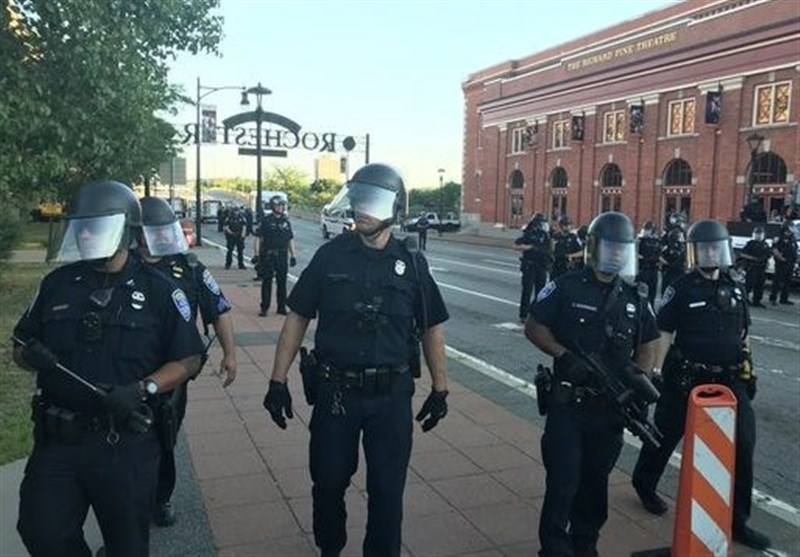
[(259, 91), (441, 191), (754, 141), (198, 140)]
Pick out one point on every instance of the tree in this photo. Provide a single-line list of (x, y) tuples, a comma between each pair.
[(82, 84), (429, 199)]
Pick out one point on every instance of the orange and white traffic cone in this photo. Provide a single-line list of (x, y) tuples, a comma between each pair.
[(704, 512)]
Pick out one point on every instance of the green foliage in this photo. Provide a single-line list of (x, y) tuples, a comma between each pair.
[(81, 85), (446, 200), (10, 232), (293, 181)]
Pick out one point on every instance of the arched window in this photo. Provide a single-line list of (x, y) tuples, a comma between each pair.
[(678, 173), (611, 176), (517, 180), (558, 178), (769, 168)]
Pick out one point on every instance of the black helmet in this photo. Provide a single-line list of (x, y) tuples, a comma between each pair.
[(538, 222), (708, 245), (161, 231), (99, 223), (277, 201), (677, 219), (564, 220), (611, 245), (376, 190)]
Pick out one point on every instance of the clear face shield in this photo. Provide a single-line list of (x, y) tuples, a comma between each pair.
[(709, 255), (165, 239), (616, 258), (366, 200), (91, 238)]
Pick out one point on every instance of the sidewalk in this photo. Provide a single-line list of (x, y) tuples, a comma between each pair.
[(475, 485)]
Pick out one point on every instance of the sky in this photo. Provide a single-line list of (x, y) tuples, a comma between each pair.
[(392, 69)]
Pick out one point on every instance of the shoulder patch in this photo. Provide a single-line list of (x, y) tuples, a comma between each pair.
[(210, 282), (548, 289), (182, 304), (669, 293)]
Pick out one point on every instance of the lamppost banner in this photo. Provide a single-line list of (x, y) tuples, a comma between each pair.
[(208, 119)]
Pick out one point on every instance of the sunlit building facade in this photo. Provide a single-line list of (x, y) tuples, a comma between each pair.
[(692, 107)]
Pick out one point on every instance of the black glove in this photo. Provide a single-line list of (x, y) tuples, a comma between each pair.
[(750, 387), (434, 409), (254, 260), (292, 261), (124, 400), (278, 401), (571, 367), (38, 356)]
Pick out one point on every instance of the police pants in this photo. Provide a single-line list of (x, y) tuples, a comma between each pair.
[(237, 243), (423, 238), (167, 474), (534, 278), (670, 418), (274, 264), (754, 281), (61, 482), (385, 421), (650, 278), (580, 445), (780, 281)]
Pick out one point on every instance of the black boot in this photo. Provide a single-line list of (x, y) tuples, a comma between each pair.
[(651, 501), (164, 515)]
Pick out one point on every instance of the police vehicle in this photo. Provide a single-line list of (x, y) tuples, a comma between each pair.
[(336, 221)]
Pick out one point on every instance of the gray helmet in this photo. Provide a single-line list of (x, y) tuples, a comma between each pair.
[(156, 211), (708, 245), (378, 191), (276, 201), (611, 245), (99, 223)]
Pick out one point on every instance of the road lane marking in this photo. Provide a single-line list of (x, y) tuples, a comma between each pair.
[(478, 294), (473, 266), (776, 342), (765, 502), (775, 321)]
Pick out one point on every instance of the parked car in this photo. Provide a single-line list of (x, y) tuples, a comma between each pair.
[(449, 223), (336, 221), (211, 208)]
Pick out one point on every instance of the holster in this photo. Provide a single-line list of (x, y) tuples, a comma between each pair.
[(415, 363), (310, 374), (167, 420), (544, 384)]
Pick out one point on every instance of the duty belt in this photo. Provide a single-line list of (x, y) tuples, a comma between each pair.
[(373, 379)]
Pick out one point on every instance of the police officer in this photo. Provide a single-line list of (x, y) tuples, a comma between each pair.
[(784, 249), (422, 231), (594, 310), (756, 254), (649, 258), (163, 246), (567, 248), (673, 256), (535, 261), (276, 253), (375, 300), (234, 236), (117, 323), (703, 319)]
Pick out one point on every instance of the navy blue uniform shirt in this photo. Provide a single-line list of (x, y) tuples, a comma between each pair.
[(366, 300), (709, 317), (275, 232), (541, 251), (649, 252), (198, 283), (146, 323), (572, 307)]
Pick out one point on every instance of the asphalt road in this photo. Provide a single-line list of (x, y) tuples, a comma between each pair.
[(481, 286)]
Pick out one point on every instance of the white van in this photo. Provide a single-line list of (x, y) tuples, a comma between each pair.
[(336, 221)]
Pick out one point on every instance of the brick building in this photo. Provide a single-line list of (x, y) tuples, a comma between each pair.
[(648, 116)]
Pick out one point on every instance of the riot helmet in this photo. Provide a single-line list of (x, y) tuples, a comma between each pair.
[(99, 223), (277, 204), (648, 230), (611, 245), (375, 191), (564, 222), (538, 222), (708, 246), (161, 229), (677, 220), (759, 234)]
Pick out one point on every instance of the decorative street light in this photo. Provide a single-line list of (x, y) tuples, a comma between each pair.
[(259, 91), (754, 141), (198, 140), (441, 191)]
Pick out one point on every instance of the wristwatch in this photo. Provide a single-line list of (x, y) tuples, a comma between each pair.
[(149, 387)]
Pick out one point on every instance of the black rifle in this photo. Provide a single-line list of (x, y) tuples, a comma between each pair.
[(630, 392)]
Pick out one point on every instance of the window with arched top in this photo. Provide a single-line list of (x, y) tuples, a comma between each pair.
[(769, 168), (517, 180), (558, 178), (611, 176), (678, 173)]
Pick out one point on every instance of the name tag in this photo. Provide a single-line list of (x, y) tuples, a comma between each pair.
[(697, 305)]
